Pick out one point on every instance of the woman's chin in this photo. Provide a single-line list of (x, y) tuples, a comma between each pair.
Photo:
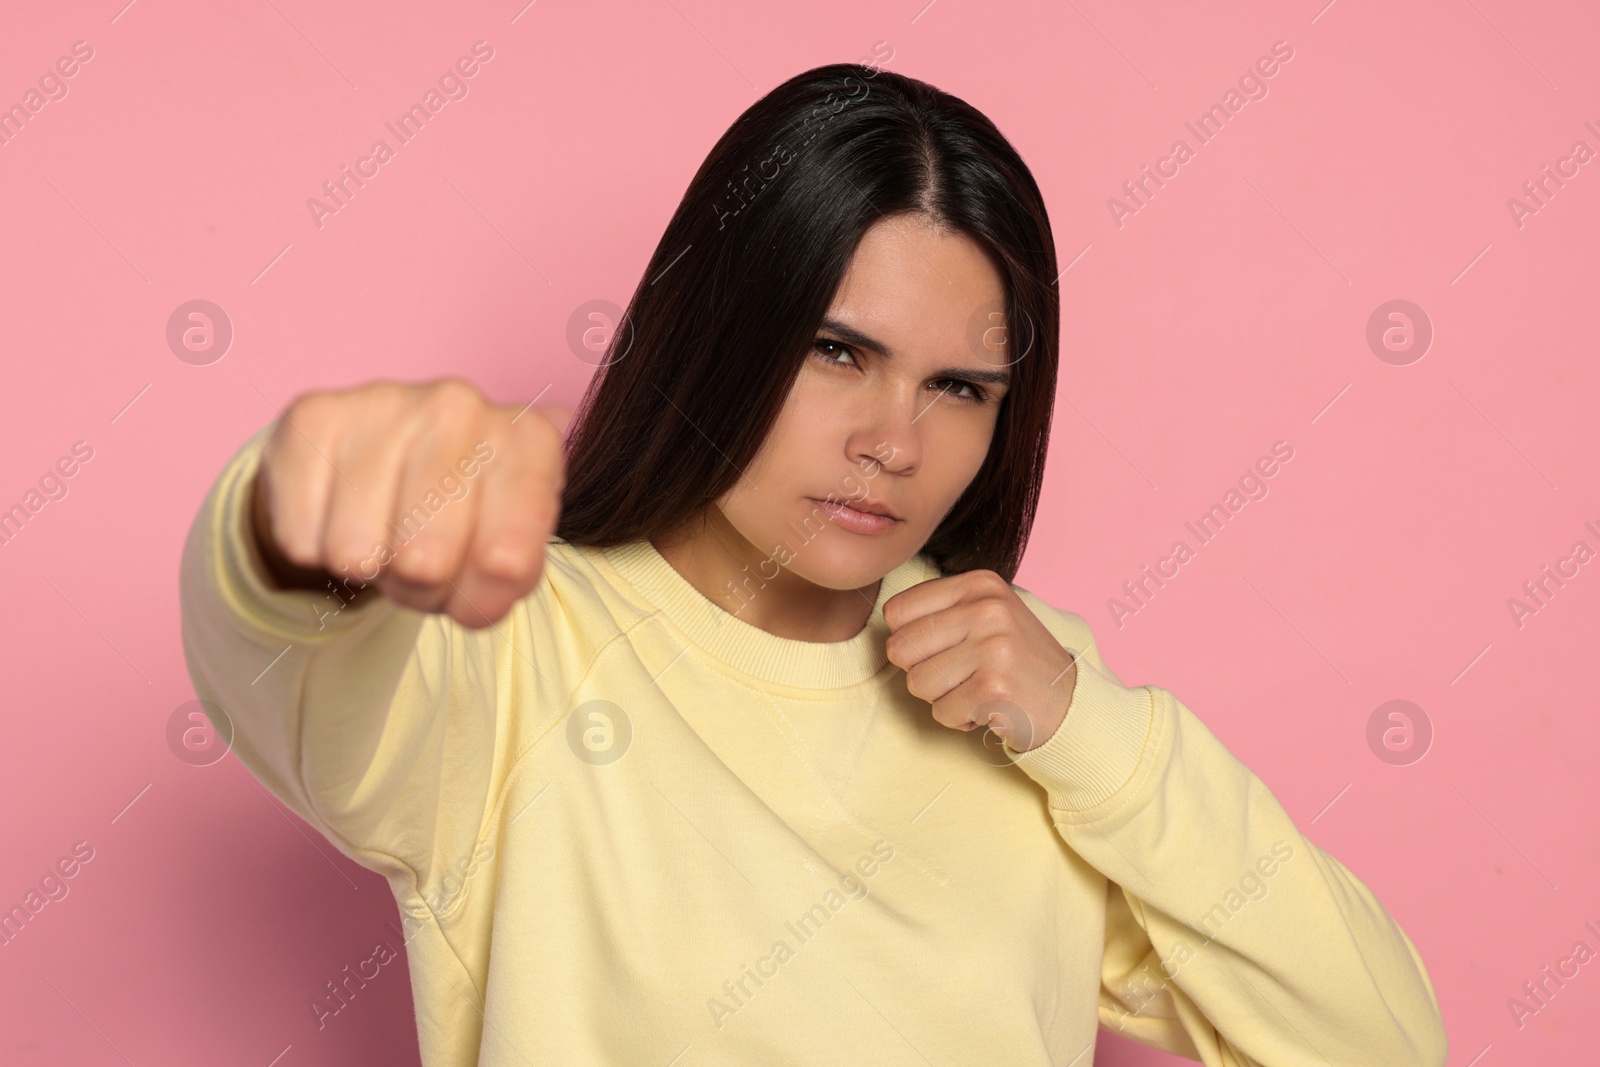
[(838, 560)]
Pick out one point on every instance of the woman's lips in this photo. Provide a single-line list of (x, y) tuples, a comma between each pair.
[(847, 517)]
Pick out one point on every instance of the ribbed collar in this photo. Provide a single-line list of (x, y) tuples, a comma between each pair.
[(750, 649)]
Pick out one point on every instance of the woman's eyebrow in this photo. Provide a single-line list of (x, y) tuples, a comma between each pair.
[(852, 336)]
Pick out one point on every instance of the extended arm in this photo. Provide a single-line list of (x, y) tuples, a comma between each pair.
[(354, 713)]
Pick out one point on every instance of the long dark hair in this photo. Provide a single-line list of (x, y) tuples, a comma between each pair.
[(717, 331)]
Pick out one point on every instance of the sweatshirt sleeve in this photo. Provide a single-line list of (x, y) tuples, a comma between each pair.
[(376, 724), (1230, 938)]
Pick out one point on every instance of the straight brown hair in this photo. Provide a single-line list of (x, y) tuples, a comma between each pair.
[(714, 336)]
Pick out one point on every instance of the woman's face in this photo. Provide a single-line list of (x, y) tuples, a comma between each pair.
[(894, 408)]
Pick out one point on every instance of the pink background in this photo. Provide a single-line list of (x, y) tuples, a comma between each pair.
[(1229, 313)]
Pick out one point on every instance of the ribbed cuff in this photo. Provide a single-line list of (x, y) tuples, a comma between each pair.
[(1096, 749), (238, 574)]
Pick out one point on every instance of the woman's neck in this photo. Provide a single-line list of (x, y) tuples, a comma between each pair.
[(732, 573)]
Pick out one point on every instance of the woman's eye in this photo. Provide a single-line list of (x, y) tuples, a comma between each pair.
[(828, 356), (955, 388), (973, 393)]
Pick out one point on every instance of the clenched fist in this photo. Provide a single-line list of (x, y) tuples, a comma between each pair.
[(979, 655), (427, 492)]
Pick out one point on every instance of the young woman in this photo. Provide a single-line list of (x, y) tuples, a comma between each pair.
[(716, 732)]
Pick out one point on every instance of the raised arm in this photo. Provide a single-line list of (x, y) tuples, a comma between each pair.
[(341, 617), (1230, 937)]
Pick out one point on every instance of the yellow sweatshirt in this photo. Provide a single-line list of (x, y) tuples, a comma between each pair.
[(624, 826)]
